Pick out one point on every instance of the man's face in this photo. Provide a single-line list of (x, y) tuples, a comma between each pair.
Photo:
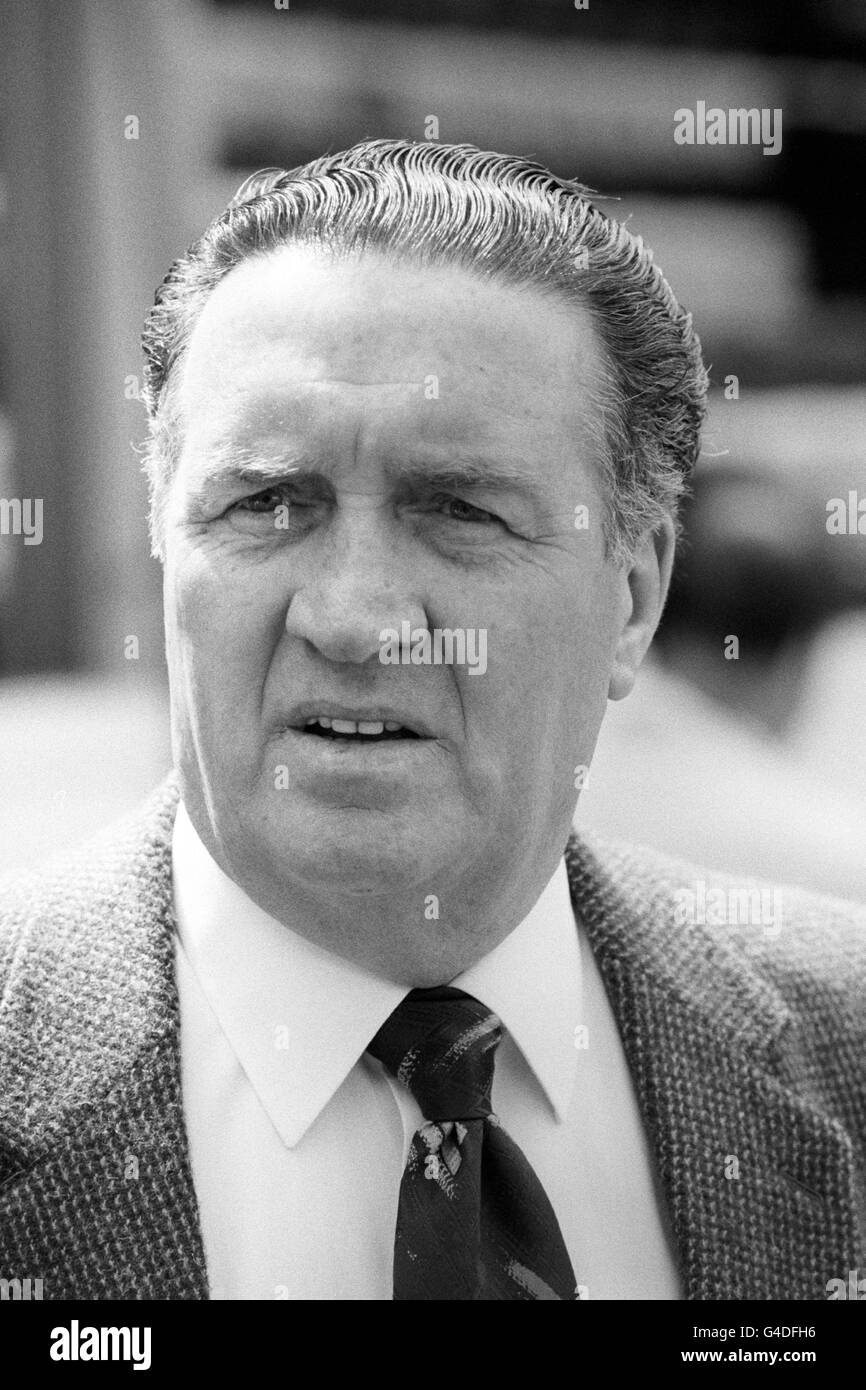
[(368, 445)]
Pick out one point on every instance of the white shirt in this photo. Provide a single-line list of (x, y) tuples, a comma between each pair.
[(298, 1139)]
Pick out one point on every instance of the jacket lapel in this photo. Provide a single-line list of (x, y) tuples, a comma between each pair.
[(760, 1180), (96, 1192), (97, 1197)]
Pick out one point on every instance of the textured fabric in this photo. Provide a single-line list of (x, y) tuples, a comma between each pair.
[(473, 1222), (96, 1193), (743, 1046)]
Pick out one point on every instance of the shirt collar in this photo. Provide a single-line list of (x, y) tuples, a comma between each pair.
[(299, 1017), (532, 980)]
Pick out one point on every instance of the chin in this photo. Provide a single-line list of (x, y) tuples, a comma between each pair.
[(352, 850)]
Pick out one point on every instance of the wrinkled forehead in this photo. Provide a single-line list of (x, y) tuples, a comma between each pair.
[(301, 342), (304, 306)]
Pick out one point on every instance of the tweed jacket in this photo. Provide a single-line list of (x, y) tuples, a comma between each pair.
[(747, 1051)]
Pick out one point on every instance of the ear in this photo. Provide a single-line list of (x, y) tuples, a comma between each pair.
[(645, 588)]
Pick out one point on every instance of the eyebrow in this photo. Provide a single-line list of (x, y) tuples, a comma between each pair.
[(230, 466), (233, 466), (470, 472)]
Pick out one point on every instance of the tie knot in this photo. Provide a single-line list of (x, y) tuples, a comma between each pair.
[(441, 1044)]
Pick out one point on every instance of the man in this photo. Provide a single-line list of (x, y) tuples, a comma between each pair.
[(348, 1012)]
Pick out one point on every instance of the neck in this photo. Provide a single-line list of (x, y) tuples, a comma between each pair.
[(410, 933)]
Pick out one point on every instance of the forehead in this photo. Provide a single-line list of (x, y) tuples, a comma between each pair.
[(300, 339)]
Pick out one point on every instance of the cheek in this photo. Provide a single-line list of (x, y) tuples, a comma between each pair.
[(553, 644), (221, 630), (548, 668)]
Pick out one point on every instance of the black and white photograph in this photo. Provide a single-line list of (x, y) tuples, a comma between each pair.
[(433, 666)]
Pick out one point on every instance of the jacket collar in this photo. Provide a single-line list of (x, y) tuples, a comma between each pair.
[(96, 1192), (759, 1180)]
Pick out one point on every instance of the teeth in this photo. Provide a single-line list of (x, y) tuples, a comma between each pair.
[(352, 726)]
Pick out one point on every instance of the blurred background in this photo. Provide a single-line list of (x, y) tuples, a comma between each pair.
[(126, 125)]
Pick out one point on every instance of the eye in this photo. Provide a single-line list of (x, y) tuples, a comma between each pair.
[(266, 501), (464, 511), (275, 510)]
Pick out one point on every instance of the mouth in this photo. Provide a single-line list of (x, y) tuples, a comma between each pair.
[(357, 731), (365, 750)]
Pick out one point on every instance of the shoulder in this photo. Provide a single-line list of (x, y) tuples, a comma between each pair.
[(84, 948), (74, 888), (809, 947)]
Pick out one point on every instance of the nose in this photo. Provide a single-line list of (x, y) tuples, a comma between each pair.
[(358, 588)]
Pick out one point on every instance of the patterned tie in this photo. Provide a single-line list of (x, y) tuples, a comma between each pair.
[(473, 1221)]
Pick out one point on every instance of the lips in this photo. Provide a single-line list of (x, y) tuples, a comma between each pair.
[(369, 730), (326, 719)]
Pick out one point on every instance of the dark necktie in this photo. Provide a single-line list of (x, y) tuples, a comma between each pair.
[(473, 1221)]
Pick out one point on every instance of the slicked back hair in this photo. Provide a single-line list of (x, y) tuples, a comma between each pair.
[(499, 216)]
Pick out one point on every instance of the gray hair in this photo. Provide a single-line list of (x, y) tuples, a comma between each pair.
[(499, 216)]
